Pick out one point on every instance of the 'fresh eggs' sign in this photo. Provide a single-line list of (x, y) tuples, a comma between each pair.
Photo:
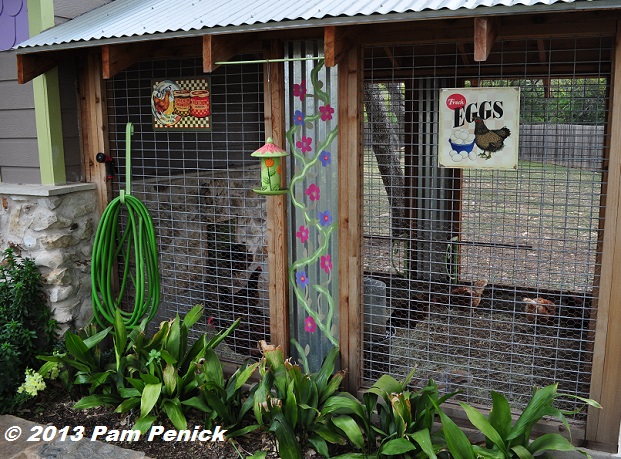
[(479, 128)]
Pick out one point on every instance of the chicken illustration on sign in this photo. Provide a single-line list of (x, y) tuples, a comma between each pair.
[(181, 105), (479, 128)]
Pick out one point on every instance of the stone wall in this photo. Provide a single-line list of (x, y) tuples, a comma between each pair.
[(55, 226)]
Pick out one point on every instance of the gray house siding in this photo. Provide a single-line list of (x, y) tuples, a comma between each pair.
[(19, 155)]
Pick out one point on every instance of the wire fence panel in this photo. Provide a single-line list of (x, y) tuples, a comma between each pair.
[(197, 186), (485, 279)]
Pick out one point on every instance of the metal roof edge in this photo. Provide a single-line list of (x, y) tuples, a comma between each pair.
[(589, 5)]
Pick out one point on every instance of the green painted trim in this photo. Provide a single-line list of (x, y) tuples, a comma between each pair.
[(47, 103)]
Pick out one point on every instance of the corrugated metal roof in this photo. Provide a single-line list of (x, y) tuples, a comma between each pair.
[(134, 20)]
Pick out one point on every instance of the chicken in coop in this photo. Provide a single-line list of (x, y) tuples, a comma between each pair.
[(467, 297), (539, 310), (408, 313), (489, 140), (245, 304)]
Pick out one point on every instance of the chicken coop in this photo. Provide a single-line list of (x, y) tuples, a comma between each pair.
[(483, 278)]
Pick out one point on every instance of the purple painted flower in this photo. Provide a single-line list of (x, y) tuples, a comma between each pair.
[(325, 157), (326, 263), (301, 279), (313, 192), (325, 218), (299, 90), (304, 144), (302, 234), (298, 118), (326, 112), (310, 325)]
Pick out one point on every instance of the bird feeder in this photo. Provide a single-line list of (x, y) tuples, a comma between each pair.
[(270, 155)]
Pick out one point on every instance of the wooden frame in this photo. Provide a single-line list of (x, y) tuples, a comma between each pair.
[(277, 226), (350, 214)]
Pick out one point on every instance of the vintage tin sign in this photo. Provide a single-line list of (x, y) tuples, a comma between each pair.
[(181, 105), (479, 128)]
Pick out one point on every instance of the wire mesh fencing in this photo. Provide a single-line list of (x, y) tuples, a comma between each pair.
[(485, 279), (197, 186)]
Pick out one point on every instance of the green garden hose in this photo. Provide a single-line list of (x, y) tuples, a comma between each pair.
[(133, 253)]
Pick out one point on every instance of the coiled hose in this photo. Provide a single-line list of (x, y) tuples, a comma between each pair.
[(132, 253), (113, 252)]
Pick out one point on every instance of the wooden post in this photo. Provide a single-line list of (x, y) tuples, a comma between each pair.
[(277, 253), (94, 125), (47, 104), (603, 425), (484, 37), (350, 111)]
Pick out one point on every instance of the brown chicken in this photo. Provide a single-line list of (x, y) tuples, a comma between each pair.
[(468, 296), (490, 141), (161, 105), (539, 310)]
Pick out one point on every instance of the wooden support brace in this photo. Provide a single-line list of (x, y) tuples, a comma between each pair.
[(221, 48), (30, 66), (485, 32), (336, 43)]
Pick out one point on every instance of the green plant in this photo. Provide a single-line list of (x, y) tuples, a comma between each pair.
[(159, 372), (26, 324), (506, 439), (303, 409), (405, 419), (223, 400)]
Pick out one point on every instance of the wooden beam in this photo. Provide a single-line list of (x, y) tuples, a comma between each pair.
[(276, 206), (603, 425), (336, 43), (464, 55), (350, 211), (221, 48), (30, 66), (485, 32), (94, 124)]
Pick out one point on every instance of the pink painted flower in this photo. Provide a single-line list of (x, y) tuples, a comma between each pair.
[(302, 234), (310, 325), (326, 112), (326, 263), (304, 144), (299, 90), (313, 192)]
